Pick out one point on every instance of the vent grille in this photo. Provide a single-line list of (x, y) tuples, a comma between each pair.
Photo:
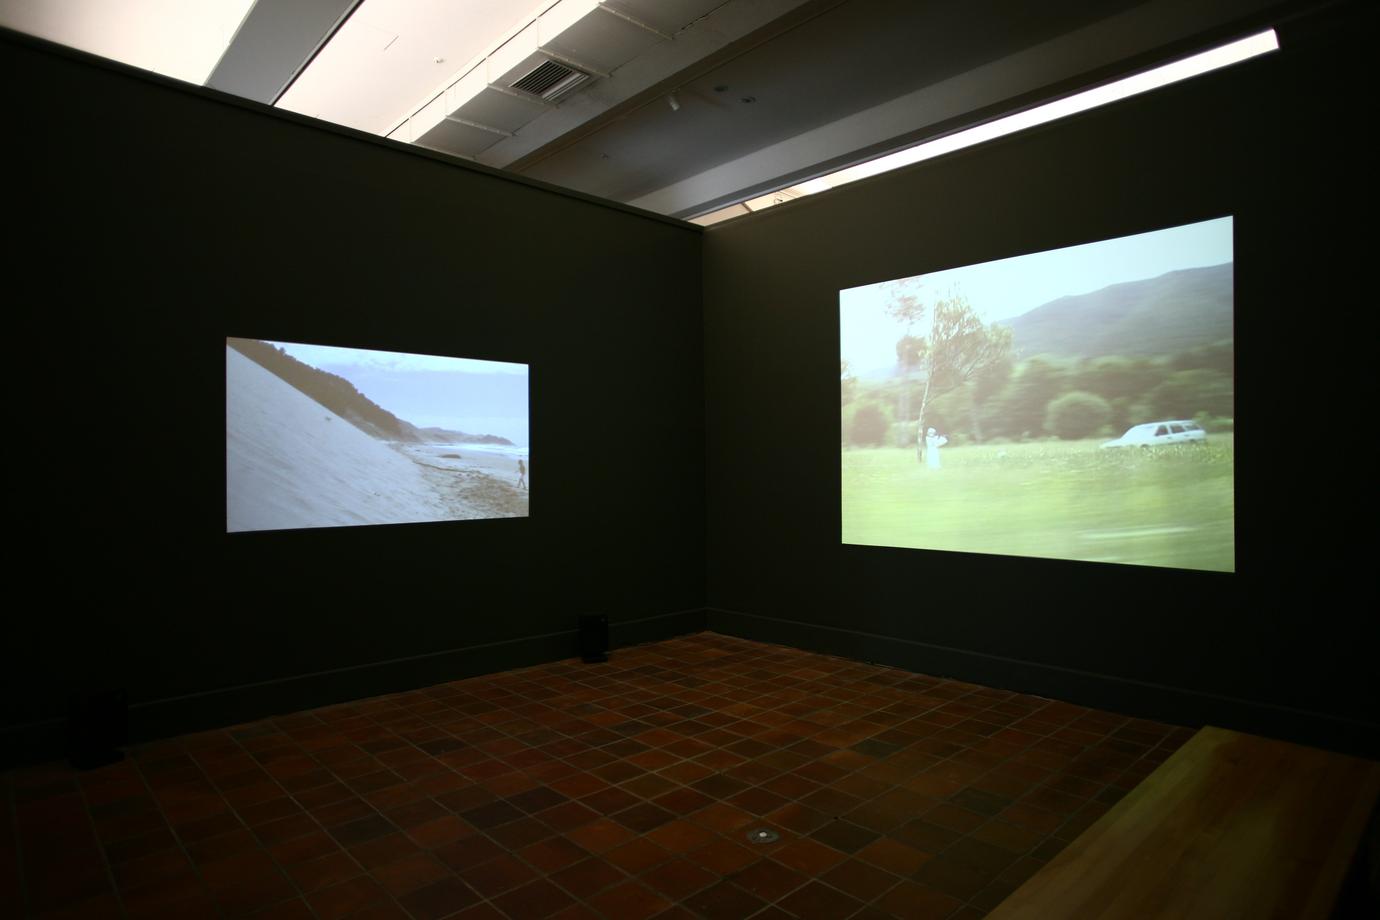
[(549, 80)]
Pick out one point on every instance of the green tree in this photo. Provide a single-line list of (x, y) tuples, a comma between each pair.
[(955, 349), (848, 384), (1076, 415), (982, 388), (1114, 377), (1220, 356), (903, 303), (1021, 412), (1187, 393)]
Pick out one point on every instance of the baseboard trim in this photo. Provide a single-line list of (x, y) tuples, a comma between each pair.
[(655, 628), (150, 720), (1101, 691)]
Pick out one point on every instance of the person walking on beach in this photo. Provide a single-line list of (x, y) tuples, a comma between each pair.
[(522, 473)]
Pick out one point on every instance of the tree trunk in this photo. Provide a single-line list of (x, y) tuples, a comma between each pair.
[(920, 424)]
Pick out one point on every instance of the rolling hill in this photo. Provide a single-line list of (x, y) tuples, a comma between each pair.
[(1174, 312)]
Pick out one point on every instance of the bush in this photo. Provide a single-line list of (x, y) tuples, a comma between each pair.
[(870, 425), (1214, 423), (1077, 415)]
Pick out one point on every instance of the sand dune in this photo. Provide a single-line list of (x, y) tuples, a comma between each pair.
[(290, 463)]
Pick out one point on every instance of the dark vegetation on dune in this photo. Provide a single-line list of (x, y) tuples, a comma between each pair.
[(340, 396)]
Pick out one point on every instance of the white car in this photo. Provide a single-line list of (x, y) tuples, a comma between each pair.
[(1155, 434)]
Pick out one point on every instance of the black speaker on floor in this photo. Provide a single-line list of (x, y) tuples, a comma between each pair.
[(97, 725), (594, 637)]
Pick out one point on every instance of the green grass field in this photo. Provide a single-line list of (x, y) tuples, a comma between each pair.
[(1165, 506)]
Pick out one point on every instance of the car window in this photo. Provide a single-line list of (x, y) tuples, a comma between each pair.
[(1177, 429), (1159, 431)]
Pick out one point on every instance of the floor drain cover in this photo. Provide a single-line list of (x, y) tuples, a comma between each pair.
[(763, 835)]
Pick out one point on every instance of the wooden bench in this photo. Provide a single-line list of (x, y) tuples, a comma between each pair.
[(1230, 826)]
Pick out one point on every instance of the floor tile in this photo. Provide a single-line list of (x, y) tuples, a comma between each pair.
[(624, 790)]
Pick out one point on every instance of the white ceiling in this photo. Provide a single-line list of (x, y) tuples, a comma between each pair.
[(767, 93), (177, 38), (393, 55)]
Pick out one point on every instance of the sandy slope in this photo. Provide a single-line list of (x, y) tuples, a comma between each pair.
[(291, 462)]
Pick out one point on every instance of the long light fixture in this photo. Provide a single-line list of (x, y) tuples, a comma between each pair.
[(1182, 69)]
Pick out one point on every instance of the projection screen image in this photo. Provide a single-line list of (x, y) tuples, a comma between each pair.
[(1070, 404), (318, 436)]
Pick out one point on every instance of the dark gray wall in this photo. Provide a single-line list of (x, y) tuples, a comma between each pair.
[(1280, 647), (156, 219), (153, 220)]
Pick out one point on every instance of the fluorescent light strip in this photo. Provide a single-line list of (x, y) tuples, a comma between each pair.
[(1164, 75)]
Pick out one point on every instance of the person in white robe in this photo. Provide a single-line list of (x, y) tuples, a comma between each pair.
[(933, 442)]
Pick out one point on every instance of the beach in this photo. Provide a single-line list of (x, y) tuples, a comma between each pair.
[(292, 463), (480, 477)]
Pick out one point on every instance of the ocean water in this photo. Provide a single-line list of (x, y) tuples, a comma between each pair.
[(496, 450)]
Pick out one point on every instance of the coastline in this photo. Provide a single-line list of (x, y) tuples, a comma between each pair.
[(477, 483)]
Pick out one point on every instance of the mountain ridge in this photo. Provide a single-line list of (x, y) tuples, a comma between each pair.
[(1150, 317), (1169, 313)]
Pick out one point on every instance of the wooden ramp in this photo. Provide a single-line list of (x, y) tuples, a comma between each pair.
[(1230, 826)]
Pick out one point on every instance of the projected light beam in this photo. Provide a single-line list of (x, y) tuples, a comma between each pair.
[(1076, 404), (318, 436)]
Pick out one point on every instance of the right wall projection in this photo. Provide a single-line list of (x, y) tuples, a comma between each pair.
[(1070, 404)]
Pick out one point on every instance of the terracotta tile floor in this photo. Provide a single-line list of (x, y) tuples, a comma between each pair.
[(623, 791)]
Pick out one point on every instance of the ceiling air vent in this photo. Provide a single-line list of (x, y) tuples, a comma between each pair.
[(550, 80)]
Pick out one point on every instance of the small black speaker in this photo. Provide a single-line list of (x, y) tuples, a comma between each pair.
[(97, 724), (594, 637)]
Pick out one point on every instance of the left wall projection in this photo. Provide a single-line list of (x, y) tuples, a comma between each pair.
[(319, 436)]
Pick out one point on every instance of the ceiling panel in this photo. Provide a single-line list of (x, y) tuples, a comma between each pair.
[(601, 41), (393, 56), (853, 56), (274, 41), (669, 16)]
